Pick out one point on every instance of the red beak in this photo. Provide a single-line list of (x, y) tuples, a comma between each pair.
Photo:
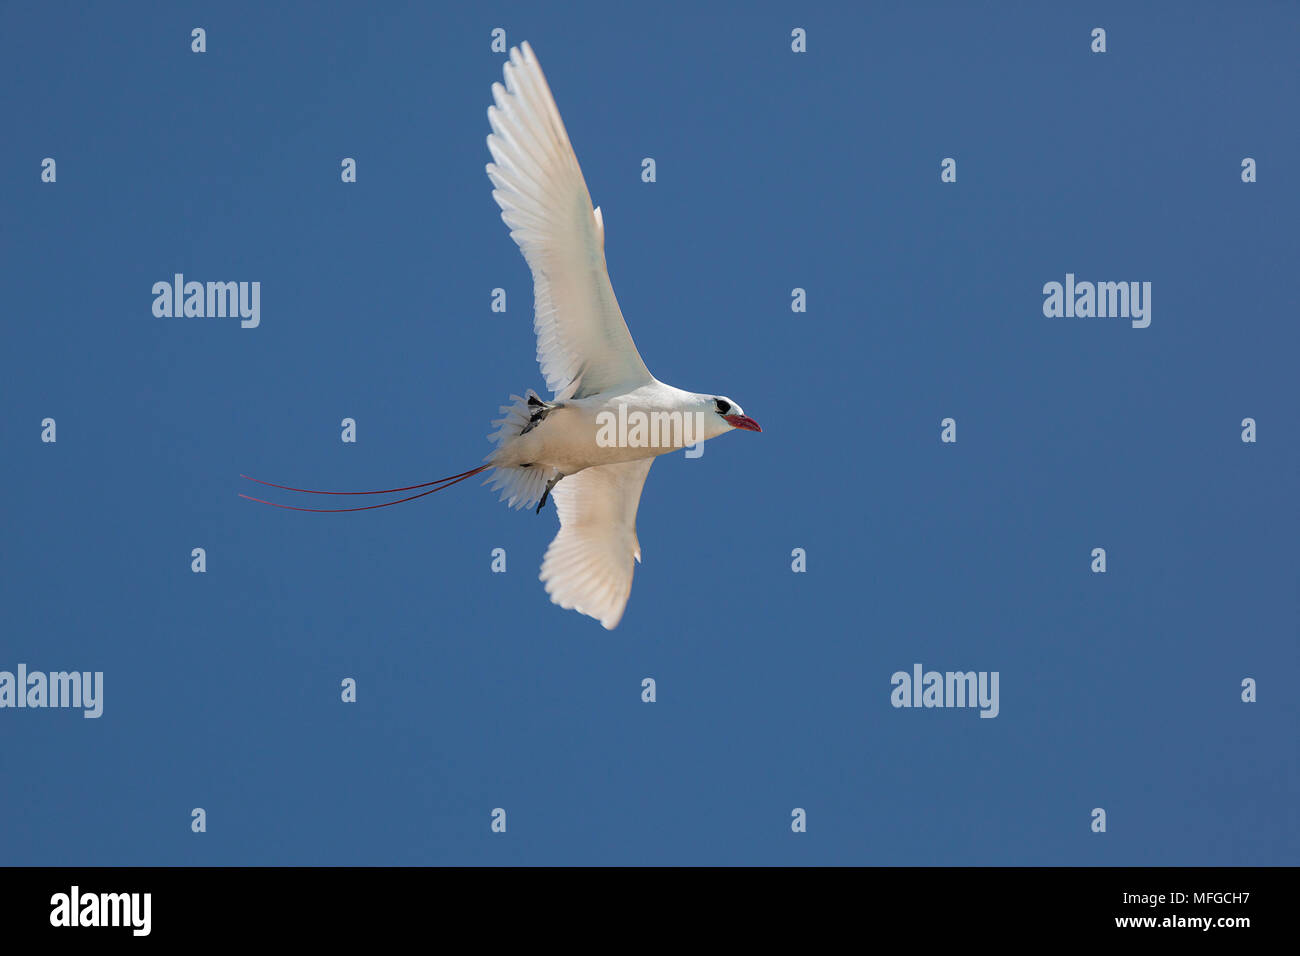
[(742, 421)]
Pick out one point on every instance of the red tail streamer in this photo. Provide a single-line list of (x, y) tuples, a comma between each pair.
[(441, 483), (386, 491)]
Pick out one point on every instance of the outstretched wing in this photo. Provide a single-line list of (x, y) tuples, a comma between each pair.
[(588, 566), (583, 344)]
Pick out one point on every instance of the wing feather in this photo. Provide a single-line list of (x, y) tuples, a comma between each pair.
[(588, 566), (583, 344)]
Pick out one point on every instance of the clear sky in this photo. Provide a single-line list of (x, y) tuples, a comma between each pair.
[(775, 170)]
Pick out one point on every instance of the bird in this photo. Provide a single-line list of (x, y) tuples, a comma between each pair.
[(589, 447)]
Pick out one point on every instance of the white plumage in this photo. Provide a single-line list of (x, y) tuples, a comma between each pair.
[(583, 344), (588, 566), (586, 353)]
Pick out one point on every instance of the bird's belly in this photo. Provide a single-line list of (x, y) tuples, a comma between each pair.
[(574, 437)]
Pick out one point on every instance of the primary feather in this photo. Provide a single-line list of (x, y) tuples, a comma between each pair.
[(583, 344)]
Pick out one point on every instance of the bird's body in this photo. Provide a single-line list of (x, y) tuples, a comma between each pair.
[(591, 445), (569, 437)]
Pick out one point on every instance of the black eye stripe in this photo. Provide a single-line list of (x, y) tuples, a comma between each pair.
[(723, 407)]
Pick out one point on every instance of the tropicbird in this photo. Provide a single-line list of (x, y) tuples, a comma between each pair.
[(591, 446)]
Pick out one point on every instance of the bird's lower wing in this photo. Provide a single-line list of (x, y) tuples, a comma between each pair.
[(588, 566), (583, 344)]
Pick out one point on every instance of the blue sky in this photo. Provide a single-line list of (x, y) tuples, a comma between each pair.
[(775, 170)]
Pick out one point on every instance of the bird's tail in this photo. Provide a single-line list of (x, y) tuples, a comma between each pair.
[(440, 484), (521, 486)]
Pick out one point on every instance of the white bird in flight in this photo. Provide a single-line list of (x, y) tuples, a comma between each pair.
[(582, 447)]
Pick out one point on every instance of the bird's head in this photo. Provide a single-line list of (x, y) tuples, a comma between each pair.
[(732, 414)]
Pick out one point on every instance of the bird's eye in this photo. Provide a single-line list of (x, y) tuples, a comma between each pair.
[(723, 406)]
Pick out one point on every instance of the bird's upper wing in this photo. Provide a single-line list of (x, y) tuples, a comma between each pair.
[(583, 344), (588, 566)]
